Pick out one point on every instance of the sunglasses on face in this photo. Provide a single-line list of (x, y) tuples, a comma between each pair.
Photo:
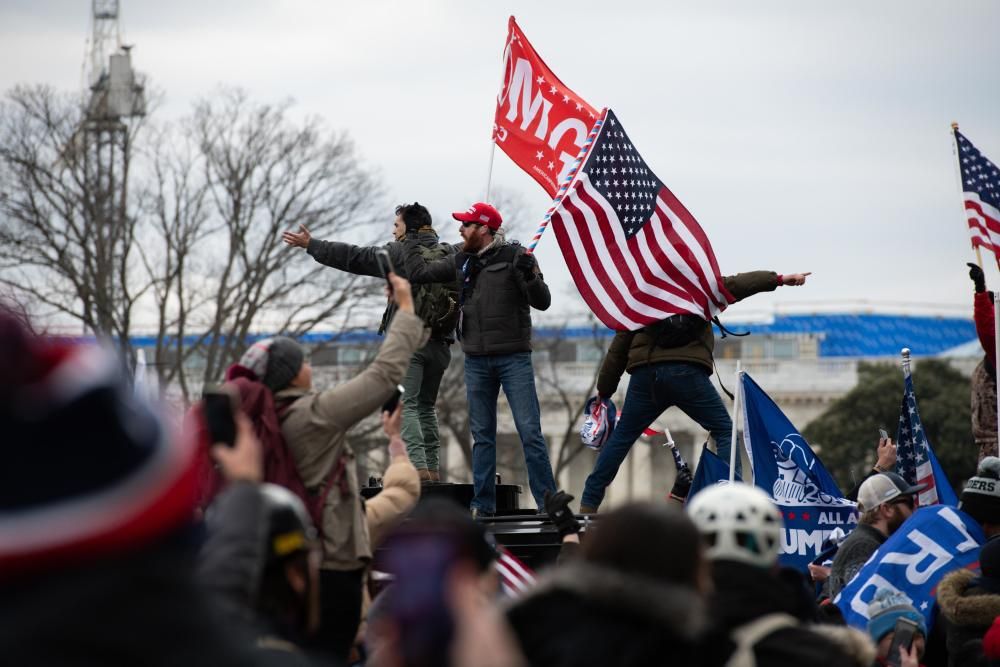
[(903, 500), (466, 225)]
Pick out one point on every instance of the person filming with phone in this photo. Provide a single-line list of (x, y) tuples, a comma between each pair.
[(314, 424), (897, 628), (436, 304)]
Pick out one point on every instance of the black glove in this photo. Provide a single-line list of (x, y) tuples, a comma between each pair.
[(526, 264), (557, 507), (682, 484), (977, 276)]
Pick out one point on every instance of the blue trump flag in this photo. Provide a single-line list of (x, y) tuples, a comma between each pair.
[(786, 468), (930, 544), (711, 470)]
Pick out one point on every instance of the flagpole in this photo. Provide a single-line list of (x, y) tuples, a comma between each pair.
[(905, 352), (736, 419), (569, 179), (996, 358), (489, 174)]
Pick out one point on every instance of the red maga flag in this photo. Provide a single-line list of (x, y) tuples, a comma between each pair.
[(540, 123), (636, 254)]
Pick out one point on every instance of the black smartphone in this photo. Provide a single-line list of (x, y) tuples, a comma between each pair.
[(390, 405), (385, 264), (218, 410), (903, 637)]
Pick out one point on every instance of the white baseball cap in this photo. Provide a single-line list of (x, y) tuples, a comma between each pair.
[(882, 488)]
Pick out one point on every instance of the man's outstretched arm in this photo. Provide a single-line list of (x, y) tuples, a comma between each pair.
[(359, 260)]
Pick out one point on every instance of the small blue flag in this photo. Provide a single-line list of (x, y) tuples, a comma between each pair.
[(711, 470), (787, 469)]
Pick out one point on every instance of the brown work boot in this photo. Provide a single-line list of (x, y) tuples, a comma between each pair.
[(587, 509), (425, 474), (435, 475)]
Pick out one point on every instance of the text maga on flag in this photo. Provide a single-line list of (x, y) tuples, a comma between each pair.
[(635, 253), (981, 194), (540, 123)]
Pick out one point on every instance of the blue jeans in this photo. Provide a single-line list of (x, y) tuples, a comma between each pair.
[(652, 389), (484, 376)]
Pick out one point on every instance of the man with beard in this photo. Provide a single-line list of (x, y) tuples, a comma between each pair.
[(499, 284), (885, 501)]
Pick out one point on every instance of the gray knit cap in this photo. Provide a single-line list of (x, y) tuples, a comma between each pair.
[(276, 361)]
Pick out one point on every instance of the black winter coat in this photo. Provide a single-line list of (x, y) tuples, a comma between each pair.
[(496, 299), (581, 614), (744, 593), (361, 260), (967, 611)]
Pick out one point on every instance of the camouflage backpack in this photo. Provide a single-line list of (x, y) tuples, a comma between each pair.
[(437, 303)]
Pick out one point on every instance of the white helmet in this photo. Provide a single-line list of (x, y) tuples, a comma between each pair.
[(739, 522)]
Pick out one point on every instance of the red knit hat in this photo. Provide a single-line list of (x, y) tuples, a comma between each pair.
[(89, 469)]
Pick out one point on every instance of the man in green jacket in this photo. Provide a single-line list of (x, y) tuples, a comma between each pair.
[(663, 377), (429, 363)]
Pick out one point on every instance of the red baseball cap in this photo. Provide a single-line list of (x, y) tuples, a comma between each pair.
[(482, 213)]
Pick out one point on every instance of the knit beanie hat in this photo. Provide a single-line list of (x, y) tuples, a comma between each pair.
[(275, 361), (886, 608), (89, 470), (981, 496)]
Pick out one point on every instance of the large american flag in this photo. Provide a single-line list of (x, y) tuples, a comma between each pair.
[(636, 254), (915, 460), (981, 193)]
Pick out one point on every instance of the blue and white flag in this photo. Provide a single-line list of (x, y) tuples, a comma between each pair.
[(711, 470), (930, 544), (915, 460), (786, 468)]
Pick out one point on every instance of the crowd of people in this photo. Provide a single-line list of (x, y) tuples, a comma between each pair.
[(123, 541)]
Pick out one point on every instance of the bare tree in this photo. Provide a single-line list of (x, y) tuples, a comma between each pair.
[(195, 250), (259, 173), (67, 229)]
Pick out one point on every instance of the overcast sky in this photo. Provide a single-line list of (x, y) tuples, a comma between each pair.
[(803, 136)]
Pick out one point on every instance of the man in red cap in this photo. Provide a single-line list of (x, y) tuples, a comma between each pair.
[(500, 283)]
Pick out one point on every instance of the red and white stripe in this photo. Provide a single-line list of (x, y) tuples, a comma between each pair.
[(925, 475), (667, 268), (984, 223), (515, 577)]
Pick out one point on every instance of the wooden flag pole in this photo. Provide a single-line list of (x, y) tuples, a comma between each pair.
[(736, 419)]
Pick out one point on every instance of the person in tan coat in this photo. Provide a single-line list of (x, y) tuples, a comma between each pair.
[(314, 425)]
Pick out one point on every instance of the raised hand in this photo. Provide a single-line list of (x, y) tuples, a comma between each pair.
[(300, 238)]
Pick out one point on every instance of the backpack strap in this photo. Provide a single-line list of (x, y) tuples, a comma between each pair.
[(750, 634)]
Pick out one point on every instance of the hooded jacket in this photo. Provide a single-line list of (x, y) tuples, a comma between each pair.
[(968, 610), (315, 427), (583, 614)]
